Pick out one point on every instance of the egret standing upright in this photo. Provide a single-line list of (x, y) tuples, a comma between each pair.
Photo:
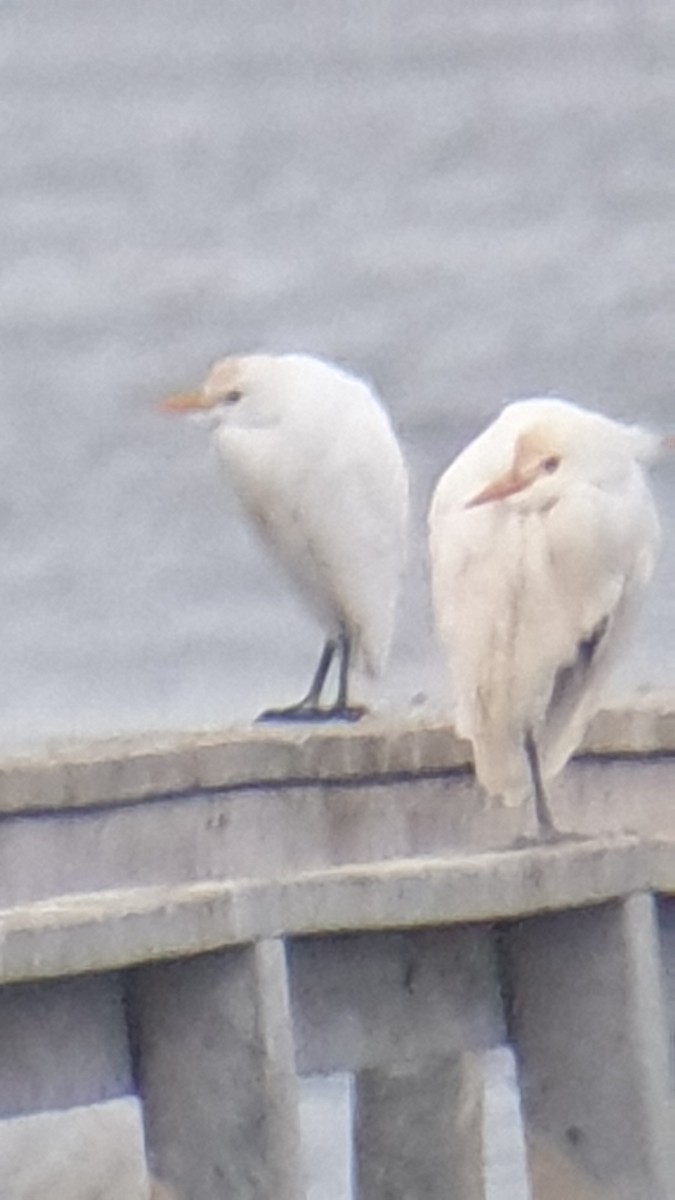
[(313, 459), (543, 537)]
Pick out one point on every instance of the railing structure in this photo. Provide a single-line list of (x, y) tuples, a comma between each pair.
[(201, 920)]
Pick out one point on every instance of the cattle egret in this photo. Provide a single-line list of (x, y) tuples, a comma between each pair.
[(314, 461), (543, 537)]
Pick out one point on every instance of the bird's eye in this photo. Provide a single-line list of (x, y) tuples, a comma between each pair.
[(232, 396), (549, 465)]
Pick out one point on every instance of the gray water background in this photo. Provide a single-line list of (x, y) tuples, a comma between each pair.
[(463, 201)]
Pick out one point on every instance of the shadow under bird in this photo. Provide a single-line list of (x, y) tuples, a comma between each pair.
[(543, 538), (312, 456)]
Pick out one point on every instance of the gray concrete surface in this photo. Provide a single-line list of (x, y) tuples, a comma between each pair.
[(419, 1130), (111, 929), (383, 793), (587, 1021), (115, 771), (216, 1072), (394, 939), (580, 992), (438, 989)]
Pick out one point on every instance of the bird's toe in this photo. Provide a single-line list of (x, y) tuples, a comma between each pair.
[(314, 713)]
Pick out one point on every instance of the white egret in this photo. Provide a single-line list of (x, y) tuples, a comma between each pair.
[(543, 537), (313, 459)]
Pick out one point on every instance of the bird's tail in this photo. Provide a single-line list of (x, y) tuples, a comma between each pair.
[(503, 772), (500, 762)]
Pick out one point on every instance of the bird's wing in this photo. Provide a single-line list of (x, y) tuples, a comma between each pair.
[(334, 516), (604, 555), (357, 532), (475, 556)]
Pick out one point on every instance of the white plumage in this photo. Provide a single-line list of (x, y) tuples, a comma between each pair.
[(543, 536), (313, 458)]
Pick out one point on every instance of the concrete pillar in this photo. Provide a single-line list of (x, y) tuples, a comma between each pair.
[(213, 1045), (666, 911), (418, 1131), (587, 1021)]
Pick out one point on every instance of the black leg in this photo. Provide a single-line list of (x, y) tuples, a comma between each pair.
[(547, 827), (548, 830), (343, 677), (307, 709), (342, 710), (313, 696)]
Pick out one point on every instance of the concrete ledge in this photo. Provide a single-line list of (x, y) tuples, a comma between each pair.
[(661, 853), (126, 770), (112, 929)]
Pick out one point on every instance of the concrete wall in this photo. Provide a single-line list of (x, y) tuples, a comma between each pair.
[(198, 924), (261, 804)]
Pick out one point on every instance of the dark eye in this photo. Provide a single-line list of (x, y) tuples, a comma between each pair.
[(232, 396), (549, 465)]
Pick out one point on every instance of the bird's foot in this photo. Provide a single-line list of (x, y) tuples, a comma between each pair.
[(314, 712), (294, 712), (346, 712)]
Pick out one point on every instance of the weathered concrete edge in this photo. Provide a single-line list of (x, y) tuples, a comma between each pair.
[(115, 929), (124, 770), (661, 853)]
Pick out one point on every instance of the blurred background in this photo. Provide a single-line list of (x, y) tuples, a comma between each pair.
[(465, 202)]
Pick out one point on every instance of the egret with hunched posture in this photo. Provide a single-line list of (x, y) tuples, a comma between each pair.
[(543, 537), (313, 458)]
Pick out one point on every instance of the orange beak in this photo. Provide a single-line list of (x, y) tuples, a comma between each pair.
[(186, 402), (499, 489)]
